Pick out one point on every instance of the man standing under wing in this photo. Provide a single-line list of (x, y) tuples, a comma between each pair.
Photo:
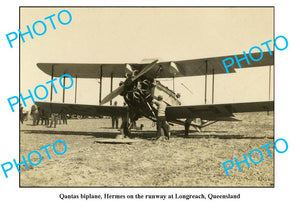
[(161, 117)]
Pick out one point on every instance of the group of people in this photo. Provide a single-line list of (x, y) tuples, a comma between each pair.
[(44, 117)]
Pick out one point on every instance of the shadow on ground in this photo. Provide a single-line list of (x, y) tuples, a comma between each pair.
[(145, 134)]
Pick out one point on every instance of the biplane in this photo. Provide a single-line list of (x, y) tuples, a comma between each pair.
[(142, 85)]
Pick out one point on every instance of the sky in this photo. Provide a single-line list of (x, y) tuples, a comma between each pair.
[(131, 35)]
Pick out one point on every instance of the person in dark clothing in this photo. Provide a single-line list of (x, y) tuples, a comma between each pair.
[(42, 116), (21, 113), (125, 125), (35, 114), (64, 116), (115, 119), (53, 119)]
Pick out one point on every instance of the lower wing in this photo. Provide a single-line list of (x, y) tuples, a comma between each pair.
[(82, 109), (216, 112)]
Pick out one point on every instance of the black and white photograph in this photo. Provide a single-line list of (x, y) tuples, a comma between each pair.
[(149, 106), (147, 96)]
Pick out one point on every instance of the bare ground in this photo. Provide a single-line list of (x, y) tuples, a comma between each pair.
[(179, 162)]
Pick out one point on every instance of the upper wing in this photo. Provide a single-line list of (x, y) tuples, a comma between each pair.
[(83, 109), (216, 111), (214, 65), (169, 69)]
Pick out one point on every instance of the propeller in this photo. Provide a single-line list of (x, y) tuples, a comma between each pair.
[(121, 88)]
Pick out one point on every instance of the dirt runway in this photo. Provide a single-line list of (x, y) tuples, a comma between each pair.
[(179, 162)]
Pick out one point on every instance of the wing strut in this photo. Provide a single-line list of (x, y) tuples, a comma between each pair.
[(51, 91), (75, 89), (205, 91), (269, 87), (213, 86), (111, 85), (270, 83), (100, 85), (64, 83)]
